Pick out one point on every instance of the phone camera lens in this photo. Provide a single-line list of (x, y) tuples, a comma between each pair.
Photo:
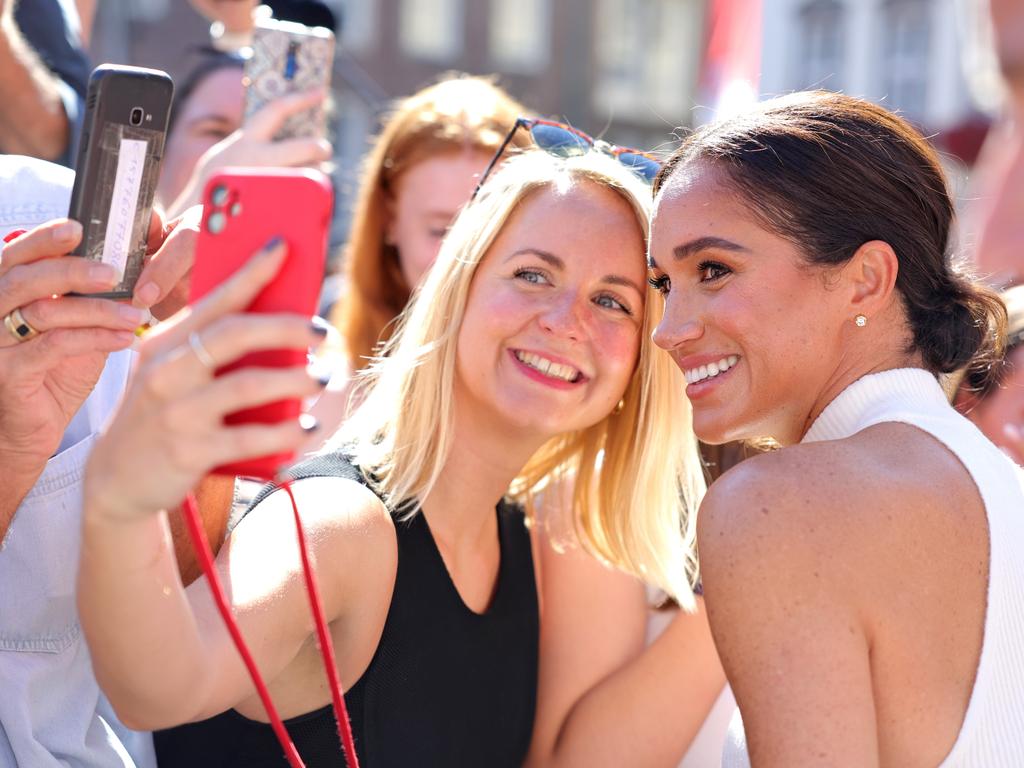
[(136, 116), (216, 223), (219, 195)]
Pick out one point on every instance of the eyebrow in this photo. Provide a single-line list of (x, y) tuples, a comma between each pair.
[(686, 250), (558, 263)]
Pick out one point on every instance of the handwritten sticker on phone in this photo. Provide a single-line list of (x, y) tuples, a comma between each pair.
[(124, 201)]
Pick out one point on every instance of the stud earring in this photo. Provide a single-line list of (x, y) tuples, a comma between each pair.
[(618, 407), (860, 320)]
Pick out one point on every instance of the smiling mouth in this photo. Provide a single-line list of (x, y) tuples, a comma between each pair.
[(709, 371), (549, 368)]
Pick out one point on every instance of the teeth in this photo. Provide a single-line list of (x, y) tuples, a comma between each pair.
[(548, 367), (693, 375)]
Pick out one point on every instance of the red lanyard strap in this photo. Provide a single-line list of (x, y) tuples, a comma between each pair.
[(205, 555)]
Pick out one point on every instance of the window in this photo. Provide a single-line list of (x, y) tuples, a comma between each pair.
[(906, 47), (520, 34), (647, 55), (431, 29), (821, 45)]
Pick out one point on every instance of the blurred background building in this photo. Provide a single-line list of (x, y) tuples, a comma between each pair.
[(630, 70)]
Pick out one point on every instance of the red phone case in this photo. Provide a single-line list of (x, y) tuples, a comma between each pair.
[(243, 209)]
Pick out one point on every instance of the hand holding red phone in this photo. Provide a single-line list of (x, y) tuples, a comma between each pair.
[(170, 431)]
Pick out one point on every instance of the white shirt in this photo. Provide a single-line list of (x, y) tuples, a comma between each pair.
[(52, 712)]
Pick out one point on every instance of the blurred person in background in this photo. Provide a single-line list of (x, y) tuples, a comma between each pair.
[(996, 403), (44, 71), (999, 223), (208, 107), (999, 252)]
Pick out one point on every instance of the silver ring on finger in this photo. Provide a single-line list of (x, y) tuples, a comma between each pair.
[(18, 326), (201, 352)]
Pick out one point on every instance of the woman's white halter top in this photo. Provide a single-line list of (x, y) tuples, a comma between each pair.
[(992, 734)]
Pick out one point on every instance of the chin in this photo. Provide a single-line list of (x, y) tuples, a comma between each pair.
[(715, 429)]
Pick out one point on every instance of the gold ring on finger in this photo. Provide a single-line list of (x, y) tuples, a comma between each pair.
[(18, 326)]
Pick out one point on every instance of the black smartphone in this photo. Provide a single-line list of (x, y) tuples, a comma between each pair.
[(126, 111)]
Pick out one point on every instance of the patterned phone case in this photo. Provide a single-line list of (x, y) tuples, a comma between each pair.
[(289, 58)]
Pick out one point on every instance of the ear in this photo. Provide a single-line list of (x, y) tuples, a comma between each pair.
[(872, 274)]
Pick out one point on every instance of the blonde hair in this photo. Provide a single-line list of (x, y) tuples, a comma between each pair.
[(636, 474), (458, 113)]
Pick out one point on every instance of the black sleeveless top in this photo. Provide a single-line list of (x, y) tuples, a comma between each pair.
[(446, 686)]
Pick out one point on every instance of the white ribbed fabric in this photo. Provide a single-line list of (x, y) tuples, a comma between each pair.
[(992, 734)]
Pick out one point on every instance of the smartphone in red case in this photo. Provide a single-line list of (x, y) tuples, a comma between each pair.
[(243, 209)]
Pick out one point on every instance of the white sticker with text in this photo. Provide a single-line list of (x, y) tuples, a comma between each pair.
[(131, 160)]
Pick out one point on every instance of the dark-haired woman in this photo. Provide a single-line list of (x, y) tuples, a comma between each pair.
[(864, 583)]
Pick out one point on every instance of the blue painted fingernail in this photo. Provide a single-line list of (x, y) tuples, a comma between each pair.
[(274, 242)]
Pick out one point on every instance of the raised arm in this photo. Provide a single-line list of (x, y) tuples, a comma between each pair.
[(783, 601), (159, 651), (32, 118), (253, 145), (603, 698)]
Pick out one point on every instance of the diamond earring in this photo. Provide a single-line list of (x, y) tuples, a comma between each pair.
[(860, 320)]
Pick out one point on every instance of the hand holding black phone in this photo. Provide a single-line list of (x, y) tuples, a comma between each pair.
[(118, 166)]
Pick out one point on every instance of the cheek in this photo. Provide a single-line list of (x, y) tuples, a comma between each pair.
[(190, 150), (416, 253), (618, 347), (771, 317), (489, 322)]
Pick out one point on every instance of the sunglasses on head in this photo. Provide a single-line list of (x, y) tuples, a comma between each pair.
[(563, 140)]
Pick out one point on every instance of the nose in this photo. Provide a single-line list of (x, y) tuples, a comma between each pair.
[(677, 326), (564, 317)]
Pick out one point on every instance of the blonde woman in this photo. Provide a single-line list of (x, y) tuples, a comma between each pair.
[(524, 360)]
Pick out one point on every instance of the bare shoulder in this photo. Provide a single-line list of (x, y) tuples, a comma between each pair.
[(350, 533), (841, 510), (779, 497), (329, 507)]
